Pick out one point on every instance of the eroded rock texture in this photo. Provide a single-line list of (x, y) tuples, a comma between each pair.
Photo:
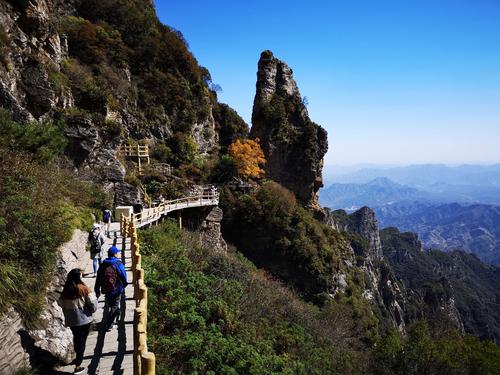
[(294, 146)]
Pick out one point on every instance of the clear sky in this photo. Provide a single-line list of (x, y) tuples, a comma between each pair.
[(394, 82)]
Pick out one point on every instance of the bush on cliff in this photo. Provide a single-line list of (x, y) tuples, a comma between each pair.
[(273, 231), (40, 205), (216, 313), (420, 353)]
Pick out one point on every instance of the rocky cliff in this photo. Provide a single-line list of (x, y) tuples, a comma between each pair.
[(294, 146), (48, 340), (107, 71), (431, 293), (382, 288)]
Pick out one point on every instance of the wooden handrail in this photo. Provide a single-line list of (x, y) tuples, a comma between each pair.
[(144, 361), (154, 213)]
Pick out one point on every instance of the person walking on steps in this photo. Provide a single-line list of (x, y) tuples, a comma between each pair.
[(78, 304), (96, 240), (111, 281), (106, 219)]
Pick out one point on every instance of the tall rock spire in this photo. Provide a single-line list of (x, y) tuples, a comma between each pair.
[(294, 146)]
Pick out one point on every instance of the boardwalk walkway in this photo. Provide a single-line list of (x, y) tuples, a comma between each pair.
[(111, 352)]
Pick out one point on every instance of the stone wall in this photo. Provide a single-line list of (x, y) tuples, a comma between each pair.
[(48, 341)]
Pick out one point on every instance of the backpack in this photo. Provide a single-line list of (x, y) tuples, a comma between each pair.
[(109, 280), (95, 242), (106, 216)]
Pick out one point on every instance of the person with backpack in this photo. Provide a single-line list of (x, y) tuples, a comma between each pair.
[(111, 281), (96, 240), (106, 219), (78, 304)]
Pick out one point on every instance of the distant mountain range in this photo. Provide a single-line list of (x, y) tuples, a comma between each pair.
[(444, 215), (434, 183), (474, 228), (426, 175), (377, 192)]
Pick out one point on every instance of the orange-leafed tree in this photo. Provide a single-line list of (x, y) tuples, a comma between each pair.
[(248, 158)]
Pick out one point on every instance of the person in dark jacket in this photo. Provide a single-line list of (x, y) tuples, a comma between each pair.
[(96, 240), (78, 304), (111, 281)]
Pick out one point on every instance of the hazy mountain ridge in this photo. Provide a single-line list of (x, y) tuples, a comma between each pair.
[(428, 174), (376, 192), (474, 228)]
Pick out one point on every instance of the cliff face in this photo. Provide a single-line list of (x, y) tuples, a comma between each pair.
[(429, 290), (382, 288), (294, 146), (84, 64), (48, 340)]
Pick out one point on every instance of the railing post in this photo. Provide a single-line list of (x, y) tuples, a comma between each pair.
[(148, 363), (139, 330)]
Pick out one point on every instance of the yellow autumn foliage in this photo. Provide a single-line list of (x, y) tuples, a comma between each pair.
[(248, 158)]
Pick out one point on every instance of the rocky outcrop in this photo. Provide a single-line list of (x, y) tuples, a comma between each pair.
[(293, 145), (33, 51), (12, 354), (207, 222), (211, 234), (382, 288), (47, 341), (43, 77), (430, 280), (364, 222), (50, 333)]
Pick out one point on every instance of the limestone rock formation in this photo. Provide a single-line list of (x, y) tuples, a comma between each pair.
[(43, 77), (382, 287), (48, 340), (293, 145), (364, 222), (12, 354)]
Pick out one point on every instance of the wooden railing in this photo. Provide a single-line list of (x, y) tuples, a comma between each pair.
[(145, 196), (144, 361), (163, 167), (141, 151), (152, 214)]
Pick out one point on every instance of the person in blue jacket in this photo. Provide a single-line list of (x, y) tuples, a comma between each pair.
[(111, 281)]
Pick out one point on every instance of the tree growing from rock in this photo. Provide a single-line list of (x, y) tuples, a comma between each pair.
[(248, 158)]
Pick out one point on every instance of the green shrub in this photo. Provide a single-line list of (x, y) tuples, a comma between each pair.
[(184, 148), (217, 314), (162, 153), (43, 140), (273, 231), (224, 170), (420, 353), (40, 205)]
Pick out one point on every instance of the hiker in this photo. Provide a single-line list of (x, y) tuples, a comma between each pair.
[(106, 219), (111, 281), (96, 240), (78, 304)]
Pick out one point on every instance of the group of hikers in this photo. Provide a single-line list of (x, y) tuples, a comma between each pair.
[(79, 302)]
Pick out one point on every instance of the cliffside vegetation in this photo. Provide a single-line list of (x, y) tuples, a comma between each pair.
[(216, 313), (438, 276), (40, 205), (276, 233)]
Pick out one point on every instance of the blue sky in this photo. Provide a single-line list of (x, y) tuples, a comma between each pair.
[(393, 82)]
